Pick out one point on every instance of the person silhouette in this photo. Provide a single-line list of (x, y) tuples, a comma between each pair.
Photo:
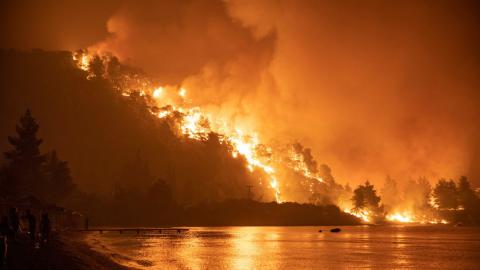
[(14, 221), (32, 225), (4, 232), (4, 226), (45, 227)]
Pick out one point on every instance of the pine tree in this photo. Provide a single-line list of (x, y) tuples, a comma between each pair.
[(25, 159), (446, 194), (58, 181), (466, 196), (365, 198)]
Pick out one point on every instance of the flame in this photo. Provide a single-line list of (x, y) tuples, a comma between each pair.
[(182, 92), (157, 92), (301, 166), (82, 60), (411, 217), (362, 214), (404, 217)]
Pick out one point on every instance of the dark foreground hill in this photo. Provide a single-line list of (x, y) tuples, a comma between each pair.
[(252, 213), (228, 213)]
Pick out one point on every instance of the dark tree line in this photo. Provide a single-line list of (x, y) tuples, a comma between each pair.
[(450, 195), (28, 171)]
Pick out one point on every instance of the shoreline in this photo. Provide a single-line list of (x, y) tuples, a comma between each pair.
[(65, 250), (75, 250)]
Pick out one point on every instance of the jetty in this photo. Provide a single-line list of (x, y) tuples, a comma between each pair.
[(169, 230)]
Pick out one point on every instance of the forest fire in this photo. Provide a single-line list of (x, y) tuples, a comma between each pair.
[(407, 217), (364, 215), (272, 166), (230, 134), (195, 124), (82, 60)]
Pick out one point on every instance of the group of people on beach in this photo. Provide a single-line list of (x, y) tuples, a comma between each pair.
[(10, 228)]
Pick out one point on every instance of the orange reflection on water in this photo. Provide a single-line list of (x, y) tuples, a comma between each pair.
[(245, 248)]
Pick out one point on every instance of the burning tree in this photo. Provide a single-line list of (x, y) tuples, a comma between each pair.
[(367, 203)]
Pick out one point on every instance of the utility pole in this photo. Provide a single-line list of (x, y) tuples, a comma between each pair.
[(249, 194)]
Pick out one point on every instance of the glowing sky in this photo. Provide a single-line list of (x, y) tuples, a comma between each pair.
[(374, 87)]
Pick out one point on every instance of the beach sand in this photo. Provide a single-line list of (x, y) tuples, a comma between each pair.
[(65, 251)]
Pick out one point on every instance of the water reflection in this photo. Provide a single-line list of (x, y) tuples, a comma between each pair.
[(379, 247), (245, 246)]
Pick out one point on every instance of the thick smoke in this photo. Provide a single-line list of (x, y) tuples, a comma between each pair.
[(373, 87), (378, 87)]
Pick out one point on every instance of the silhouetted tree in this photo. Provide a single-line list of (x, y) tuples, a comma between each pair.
[(96, 67), (326, 174), (306, 153), (25, 160), (365, 198), (466, 195), (445, 194), (424, 189), (58, 181)]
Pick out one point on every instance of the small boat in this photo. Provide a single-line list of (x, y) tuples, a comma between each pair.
[(336, 230)]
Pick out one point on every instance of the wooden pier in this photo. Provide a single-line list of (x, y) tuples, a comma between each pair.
[(138, 230)]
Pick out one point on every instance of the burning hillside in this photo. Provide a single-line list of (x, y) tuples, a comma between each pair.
[(276, 171), (99, 114), (171, 104)]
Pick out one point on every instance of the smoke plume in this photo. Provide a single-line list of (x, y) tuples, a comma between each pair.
[(374, 88)]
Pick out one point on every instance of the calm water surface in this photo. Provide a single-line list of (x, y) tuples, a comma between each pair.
[(359, 247)]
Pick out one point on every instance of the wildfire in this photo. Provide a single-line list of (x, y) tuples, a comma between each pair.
[(157, 92), (409, 217), (82, 60), (196, 124), (364, 215), (301, 167), (182, 92), (404, 217)]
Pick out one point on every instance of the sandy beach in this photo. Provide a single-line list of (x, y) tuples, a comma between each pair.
[(66, 250)]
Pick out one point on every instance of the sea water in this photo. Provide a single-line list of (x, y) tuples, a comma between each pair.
[(355, 247)]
